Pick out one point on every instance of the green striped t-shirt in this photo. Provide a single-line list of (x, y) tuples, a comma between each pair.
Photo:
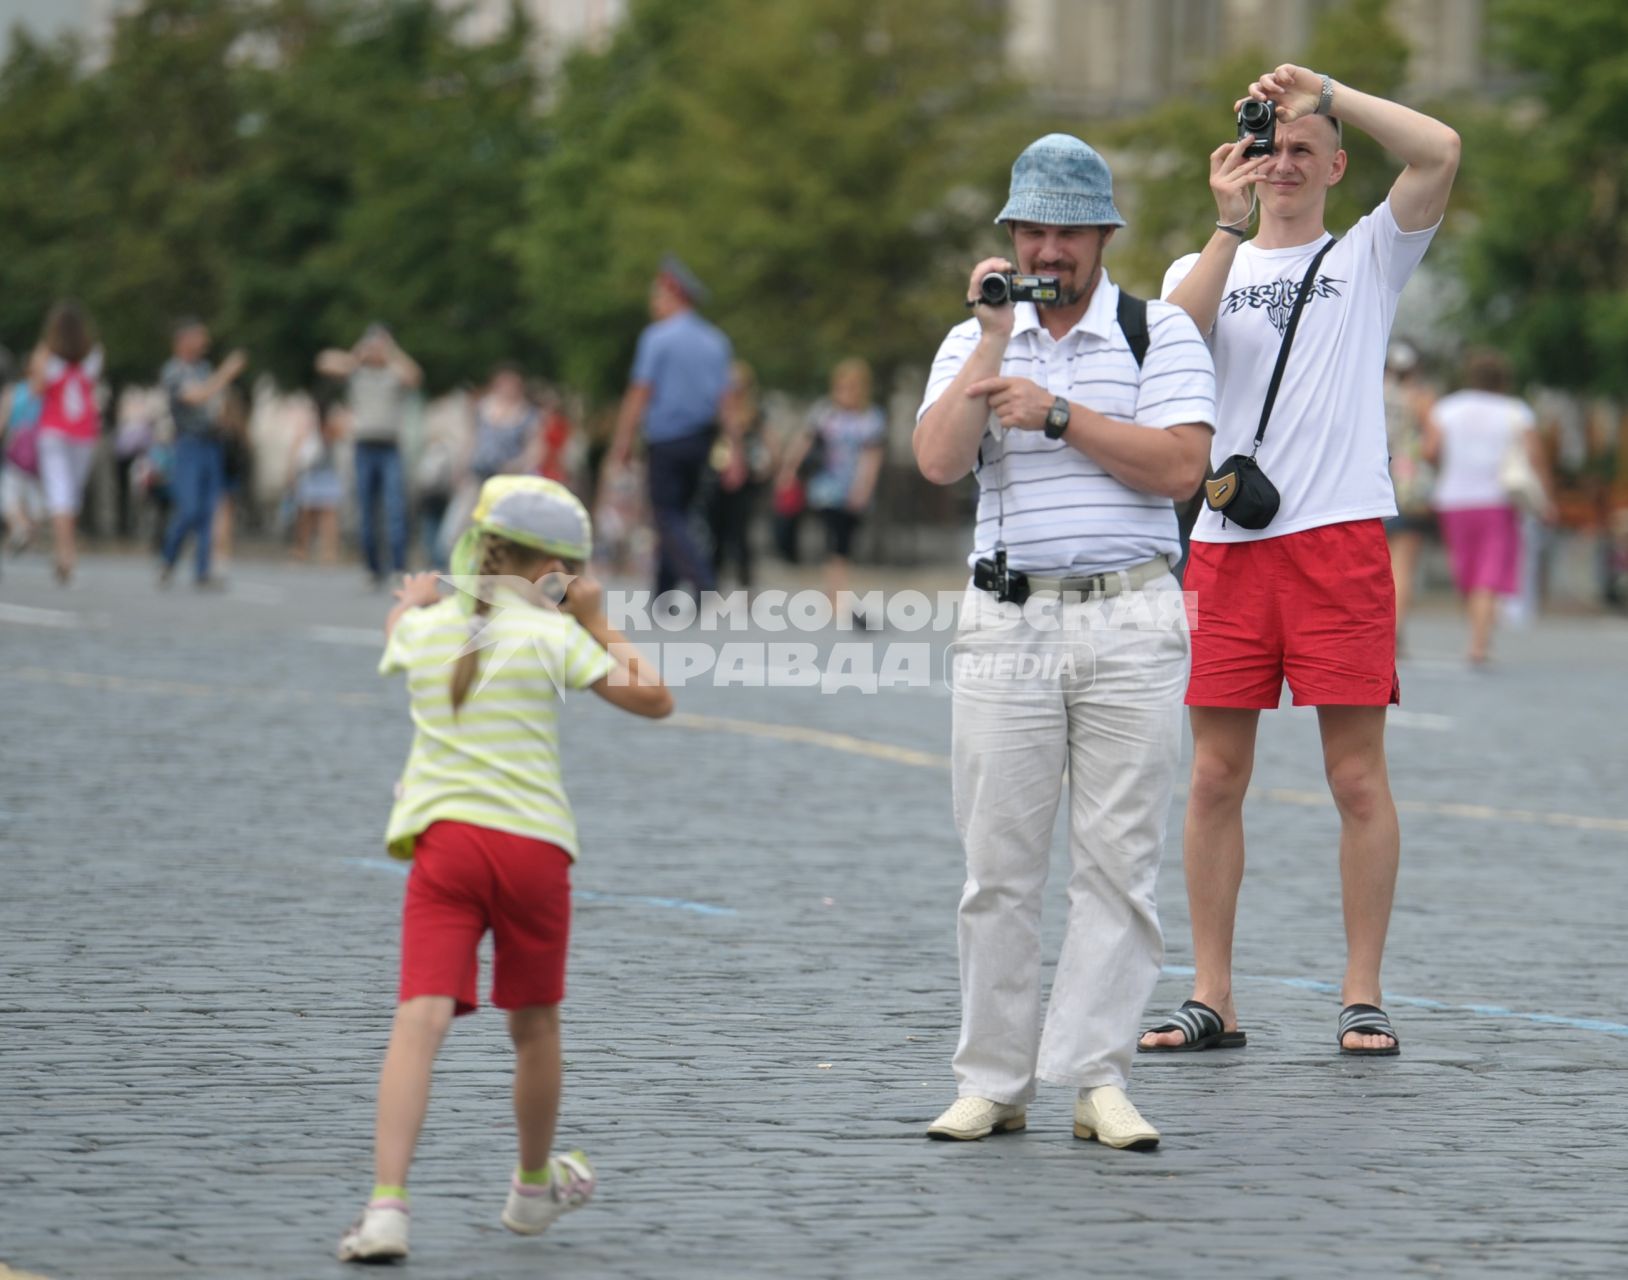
[(496, 763)]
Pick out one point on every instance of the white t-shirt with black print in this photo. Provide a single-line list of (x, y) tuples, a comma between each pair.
[(1325, 448)]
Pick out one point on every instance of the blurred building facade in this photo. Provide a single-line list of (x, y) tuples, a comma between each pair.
[(1114, 56), (1096, 56), (561, 25)]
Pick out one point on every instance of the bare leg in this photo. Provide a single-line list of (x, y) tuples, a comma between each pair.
[(328, 536), (1213, 851), (64, 547), (404, 1084), (1483, 613), (20, 528), (835, 574), (224, 513), (1370, 848), (1405, 548), (303, 518), (535, 1031)]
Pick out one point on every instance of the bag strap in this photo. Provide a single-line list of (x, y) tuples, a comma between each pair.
[(1133, 323), (1288, 341)]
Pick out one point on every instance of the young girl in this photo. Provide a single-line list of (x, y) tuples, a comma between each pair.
[(481, 812), (845, 435), (64, 371), (319, 491)]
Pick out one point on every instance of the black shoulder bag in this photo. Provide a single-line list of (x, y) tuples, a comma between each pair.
[(1238, 489)]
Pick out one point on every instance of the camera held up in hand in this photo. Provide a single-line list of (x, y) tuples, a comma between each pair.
[(1258, 121), (1001, 287)]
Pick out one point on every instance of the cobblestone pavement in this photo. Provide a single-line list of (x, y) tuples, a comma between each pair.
[(197, 948)]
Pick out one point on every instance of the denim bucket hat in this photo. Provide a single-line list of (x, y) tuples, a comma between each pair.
[(1061, 182)]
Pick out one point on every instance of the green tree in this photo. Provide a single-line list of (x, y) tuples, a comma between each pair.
[(288, 169), (115, 181), (1546, 265), (1165, 154), (823, 166), (386, 161)]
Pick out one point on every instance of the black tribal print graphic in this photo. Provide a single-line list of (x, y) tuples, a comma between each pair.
[(1278, 298)]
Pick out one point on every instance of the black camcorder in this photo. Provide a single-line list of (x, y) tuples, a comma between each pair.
[(1258, 121), (1008, 585), (1001, 287)]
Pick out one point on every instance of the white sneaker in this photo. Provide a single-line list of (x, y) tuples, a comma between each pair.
[(1107, 1115), (379, 1235), (532, 1208), (972, 1118)]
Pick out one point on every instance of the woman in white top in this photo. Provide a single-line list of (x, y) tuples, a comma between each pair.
[(1468, 435)]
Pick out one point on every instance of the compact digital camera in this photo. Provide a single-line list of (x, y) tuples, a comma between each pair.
[(1001, 287), (1259, 121)]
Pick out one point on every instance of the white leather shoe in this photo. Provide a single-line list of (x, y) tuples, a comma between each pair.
[(1107, 1115), (972, 1118)]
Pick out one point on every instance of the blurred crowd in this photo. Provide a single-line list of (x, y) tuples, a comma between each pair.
[(361, 462)]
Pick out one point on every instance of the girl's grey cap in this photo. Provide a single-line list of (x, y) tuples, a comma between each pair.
[(1062, 182)]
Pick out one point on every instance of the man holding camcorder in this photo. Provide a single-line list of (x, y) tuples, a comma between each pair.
[(1289, 562), (1083, 413)]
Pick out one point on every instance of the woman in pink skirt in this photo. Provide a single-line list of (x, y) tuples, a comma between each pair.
[(1468, 434)]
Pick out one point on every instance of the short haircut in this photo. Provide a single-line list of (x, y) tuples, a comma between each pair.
[(1487, 370)]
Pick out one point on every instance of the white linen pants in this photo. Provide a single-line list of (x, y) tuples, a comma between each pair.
[(1102, 694)]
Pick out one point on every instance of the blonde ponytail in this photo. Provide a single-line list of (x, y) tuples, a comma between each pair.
[(492, 561)]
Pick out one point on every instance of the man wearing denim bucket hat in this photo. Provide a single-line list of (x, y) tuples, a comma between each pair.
[(1082, 415)]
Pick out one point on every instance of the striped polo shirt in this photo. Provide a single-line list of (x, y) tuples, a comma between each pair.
[(1064, 514), (496, 763)]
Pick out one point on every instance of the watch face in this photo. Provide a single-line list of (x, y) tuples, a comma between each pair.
[(1057, 418)]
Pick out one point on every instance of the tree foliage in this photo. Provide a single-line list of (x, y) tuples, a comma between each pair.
[(823, 166), (1164, 155), (1546, 266), (288, 170), (292, 169)]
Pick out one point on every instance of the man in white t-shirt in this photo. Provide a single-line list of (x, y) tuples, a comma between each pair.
[(1310, 596), (1082, 420)]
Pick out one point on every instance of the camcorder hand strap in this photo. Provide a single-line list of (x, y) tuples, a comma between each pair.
[(1288, 341)]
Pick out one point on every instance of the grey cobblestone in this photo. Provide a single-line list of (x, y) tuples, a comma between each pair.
[(197, 949)]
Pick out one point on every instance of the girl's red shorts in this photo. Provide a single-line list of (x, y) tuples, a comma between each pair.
[(1317, 607), (466, 880)]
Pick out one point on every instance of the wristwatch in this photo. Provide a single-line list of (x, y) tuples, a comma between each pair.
[(1325, 100), (1057, 419)]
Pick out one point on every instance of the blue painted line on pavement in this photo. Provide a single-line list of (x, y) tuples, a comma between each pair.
[(640, 900), (1176, 970), (585, 895), (1419, 1002)]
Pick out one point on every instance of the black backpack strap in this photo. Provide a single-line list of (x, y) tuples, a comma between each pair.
[(1133, 323)]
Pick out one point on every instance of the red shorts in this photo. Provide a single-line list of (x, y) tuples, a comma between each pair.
[(466, 880), (1318, 606)]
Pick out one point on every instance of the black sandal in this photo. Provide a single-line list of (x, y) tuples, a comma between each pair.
[(1201, 1025), (1367, 1020)]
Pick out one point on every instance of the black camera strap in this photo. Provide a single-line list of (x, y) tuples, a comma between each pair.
[(1306, 286), (1132, 315)]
